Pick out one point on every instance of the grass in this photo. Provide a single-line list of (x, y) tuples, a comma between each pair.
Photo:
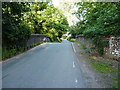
[(33, 45), (64, 37), (105, 68), (82, 46), (72, 40), (59, 40), (7, 53), (102, 67)]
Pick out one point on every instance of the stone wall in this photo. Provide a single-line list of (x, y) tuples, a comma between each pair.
[(36, 38), (112, 51), (114, 46), (88, 43)]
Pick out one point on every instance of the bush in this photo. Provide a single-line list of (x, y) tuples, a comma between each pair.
[(82, 46), (8, 52)]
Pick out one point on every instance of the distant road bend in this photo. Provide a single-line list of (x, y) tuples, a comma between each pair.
[(52, 65)]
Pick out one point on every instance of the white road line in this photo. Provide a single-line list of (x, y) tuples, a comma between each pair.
[(73, 65), (73, 48), (76, 81)]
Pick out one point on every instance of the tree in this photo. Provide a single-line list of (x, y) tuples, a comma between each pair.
[(15, 33), (98, 19), (48, 20)]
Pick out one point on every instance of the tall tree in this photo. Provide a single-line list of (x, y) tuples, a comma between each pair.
[(15, 33)]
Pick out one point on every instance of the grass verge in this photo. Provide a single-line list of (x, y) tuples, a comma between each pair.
[(105, 68), (8, 53), (72, 40), (82, 46)]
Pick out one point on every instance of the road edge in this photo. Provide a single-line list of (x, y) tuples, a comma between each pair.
[(88, 73), (22, 53)]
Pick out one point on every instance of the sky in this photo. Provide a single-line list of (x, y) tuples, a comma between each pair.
[(64, 6)]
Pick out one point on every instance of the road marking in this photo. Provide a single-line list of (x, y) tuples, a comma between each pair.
[(73, 48), (73, 65), (76, 81)]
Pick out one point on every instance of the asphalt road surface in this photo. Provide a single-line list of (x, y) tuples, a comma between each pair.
[(52, 65)]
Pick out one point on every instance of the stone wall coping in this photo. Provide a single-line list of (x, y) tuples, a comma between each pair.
[(80, 36)]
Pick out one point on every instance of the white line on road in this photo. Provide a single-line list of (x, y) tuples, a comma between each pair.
[(73, 48), (76, 80), (73, 65)]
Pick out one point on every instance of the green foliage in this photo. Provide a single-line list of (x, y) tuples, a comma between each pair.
[(21, 19), (102, 67), (15, 33), (33, 45), (5, 53), (72, 40), (64, 37), (49, 21), (82, 46), (106, 68), (59, 40), (90, 50), (100, 44), (97, 20)]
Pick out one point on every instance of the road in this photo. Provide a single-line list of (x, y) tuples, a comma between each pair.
[(52, 65)]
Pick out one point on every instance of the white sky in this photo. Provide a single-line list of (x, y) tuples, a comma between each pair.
[(66, 10)]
